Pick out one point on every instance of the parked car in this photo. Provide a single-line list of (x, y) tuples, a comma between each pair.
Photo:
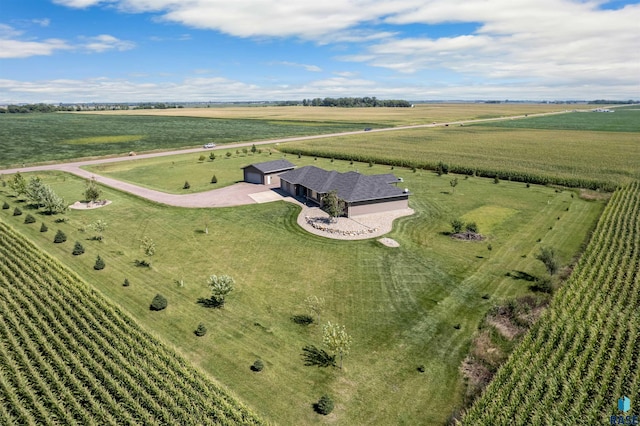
[(367, 129), (209, 145)]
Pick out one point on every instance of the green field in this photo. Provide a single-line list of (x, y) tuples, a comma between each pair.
[(584, 353), (33, 138), (626, 119), (399, 304), (570, 157), (69, 356)]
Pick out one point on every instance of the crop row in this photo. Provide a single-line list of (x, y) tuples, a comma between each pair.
[(508, 173), (67, 356), (584, 353)]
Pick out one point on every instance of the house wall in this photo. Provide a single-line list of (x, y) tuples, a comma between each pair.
[(287, 187), (377, 207)]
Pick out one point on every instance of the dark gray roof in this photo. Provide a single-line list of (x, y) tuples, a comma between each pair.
[(351, 186), (272, 166)]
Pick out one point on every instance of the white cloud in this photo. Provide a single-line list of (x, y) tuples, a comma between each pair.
[(205, 88), (44, 22), (12, 48), (106, 42), (311, 68), (81, 4)]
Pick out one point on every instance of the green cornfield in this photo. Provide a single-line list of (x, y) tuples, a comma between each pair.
[(68, 356), (584, 353)]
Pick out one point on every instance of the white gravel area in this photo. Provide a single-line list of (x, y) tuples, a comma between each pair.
[(316, 221)]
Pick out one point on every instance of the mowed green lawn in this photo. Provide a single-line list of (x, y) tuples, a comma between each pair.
[(399, 304)]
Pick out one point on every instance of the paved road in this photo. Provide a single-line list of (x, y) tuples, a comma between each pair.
[(234, 195)]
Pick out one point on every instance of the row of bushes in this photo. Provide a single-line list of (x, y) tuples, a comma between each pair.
[(59, 238), (539, 179)]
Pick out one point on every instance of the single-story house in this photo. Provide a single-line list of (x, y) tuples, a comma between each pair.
[(362, 194), (266, 173)]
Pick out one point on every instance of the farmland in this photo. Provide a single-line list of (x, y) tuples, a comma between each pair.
[(400, 305), (35, 138), (584, 353), (69, 356), (570, 157), (417, 305)]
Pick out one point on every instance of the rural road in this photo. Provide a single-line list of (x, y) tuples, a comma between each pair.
[(234, 195)]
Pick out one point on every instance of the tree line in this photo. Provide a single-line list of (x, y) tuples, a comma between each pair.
[(356, 102)]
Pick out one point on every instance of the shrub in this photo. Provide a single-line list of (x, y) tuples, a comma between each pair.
[(29, 219), (142, 263), (158, 303), (126, 283), (201, 330), (228, 154), (77, 249), (60, 237), (186, 185), (544, 285), (43, 227), (302, 319), (422, 368), (258, 365), (496, 179), (201, 158), (370, 164), (214, 179), (212, 156), (17, 212), (99, 265), (471, 227), (324, 405), (456, 226), (5, 206)]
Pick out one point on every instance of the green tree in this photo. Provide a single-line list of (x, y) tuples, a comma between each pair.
[(316, 305), (77, 249), (549, 258), (333, 205), (60, 237), (35, 192), (220, 286), (471, 227), (51, 202), (253, 148), (212, 156), (92, 191), (98, 226), (18, 184), (453, 182), (17, 211), (99, 265), (158, 303), (148, 246), (228, 154), (324, 405), (456, 226), (336, 339)]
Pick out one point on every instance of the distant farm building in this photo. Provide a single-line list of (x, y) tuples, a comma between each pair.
[(266, 173), (362, 194)]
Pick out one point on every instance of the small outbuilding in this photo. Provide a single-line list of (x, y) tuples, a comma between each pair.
[(266, 173)]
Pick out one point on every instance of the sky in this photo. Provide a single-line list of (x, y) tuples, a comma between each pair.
[(266, 50)]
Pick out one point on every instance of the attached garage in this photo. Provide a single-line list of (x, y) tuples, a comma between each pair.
[(266, 173)]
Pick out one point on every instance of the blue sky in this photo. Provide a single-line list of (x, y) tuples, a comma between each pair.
[(222, 50)]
